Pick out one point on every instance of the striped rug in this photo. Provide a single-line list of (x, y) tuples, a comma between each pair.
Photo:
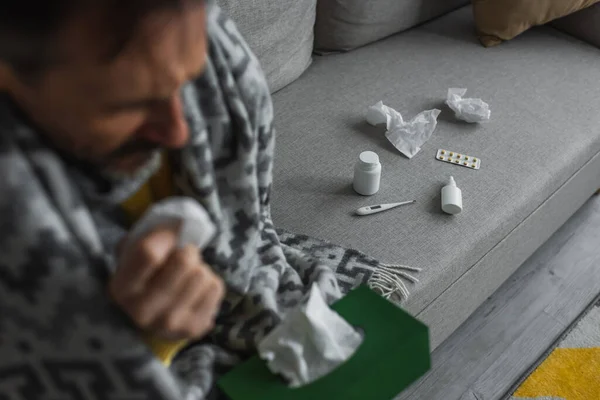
[(572, 369)]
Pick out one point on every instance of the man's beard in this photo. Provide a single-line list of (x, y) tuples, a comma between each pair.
[(132, 148)]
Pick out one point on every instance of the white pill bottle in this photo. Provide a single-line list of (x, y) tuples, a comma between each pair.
[(367, 174)]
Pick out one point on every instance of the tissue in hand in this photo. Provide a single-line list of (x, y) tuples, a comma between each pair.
[(196, 227), (407, 137), (469, 110), (311, 342)]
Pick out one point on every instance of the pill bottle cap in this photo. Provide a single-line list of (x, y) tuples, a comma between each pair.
[(369, 159)]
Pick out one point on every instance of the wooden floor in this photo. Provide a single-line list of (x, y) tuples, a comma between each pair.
[(484, 358)]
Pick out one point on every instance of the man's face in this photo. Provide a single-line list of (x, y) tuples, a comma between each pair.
[(117, 113)]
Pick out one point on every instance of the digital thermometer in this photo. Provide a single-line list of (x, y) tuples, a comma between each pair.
[(381, 207)]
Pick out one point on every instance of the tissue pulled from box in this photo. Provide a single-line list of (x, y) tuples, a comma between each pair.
[(407, 137), (310, 343), (195, 225), (469, 110)]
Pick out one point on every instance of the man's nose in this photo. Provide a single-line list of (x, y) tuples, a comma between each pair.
[(168, 127)]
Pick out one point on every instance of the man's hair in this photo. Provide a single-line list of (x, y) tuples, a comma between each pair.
[(28, 27)]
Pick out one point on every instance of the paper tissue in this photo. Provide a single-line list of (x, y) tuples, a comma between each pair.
[(407, 137), (195, 225), (469, 110), (311, 342), (195, 228), (379, 114)]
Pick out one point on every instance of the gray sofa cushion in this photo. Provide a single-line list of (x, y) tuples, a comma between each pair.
[(346, 24), (584, 25), (280, 32), (543, 91)]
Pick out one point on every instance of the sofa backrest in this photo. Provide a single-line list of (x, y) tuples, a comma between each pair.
[(279, 32), (282, 33), (584, 24), (343, 25)]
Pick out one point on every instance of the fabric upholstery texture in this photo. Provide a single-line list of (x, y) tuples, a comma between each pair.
[(544, 129), (346, 24), (500, 20), (280, 33), (584, 25), (448, 311)]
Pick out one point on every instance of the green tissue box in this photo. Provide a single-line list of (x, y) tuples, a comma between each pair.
[(394, 354)]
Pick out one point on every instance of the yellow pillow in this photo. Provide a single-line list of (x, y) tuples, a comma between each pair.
[(499, 20)]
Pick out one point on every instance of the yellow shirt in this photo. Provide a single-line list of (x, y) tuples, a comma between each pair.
[(158, 188)]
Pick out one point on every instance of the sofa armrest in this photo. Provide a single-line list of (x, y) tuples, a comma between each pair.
[(584, 25)]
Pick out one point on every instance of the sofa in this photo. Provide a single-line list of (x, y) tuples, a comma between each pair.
[(328, 60)]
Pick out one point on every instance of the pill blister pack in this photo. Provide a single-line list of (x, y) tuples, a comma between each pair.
[(455, 158)]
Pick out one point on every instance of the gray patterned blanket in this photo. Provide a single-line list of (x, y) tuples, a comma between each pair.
[(61, 337)]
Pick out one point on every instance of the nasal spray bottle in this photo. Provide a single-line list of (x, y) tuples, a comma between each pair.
[(452, 198)]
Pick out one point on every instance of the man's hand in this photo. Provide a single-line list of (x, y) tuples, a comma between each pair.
[(168, 292)]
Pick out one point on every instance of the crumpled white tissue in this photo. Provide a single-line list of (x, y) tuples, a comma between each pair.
[(407, 137), (379, 114), (311, 342), (196, 227), (469, 110)]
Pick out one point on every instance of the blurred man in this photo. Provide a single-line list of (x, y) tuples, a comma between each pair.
[(107, 107)]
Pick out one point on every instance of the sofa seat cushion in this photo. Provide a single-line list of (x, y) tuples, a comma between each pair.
[(542, 88)]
